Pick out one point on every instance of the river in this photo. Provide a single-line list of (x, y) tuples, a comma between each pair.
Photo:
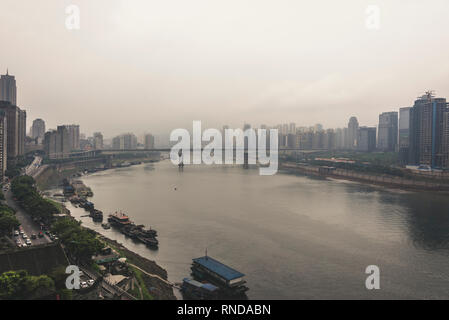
[(295, 237)]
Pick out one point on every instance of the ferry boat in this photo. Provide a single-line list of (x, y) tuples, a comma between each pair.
[(119, 219)]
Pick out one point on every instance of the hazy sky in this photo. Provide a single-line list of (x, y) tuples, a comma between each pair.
[(152, 66)]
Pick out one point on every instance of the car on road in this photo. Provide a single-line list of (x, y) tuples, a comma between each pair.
[(40, 235), (16, 233), (24, 236), (84, 284), (33, 236), (28, 242), (90, 282), (18, 243)]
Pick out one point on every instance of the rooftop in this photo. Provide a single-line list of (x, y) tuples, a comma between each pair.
[(219, 268)]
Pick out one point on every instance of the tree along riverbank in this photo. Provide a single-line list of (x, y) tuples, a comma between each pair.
[(152, 287)]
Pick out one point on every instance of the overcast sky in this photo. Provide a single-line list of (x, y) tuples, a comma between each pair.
[(152, 66)]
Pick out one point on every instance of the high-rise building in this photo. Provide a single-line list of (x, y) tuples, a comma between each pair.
[(445, 140), (98, 141), (339, 139), (3, 144), (426, 131), (8, 88), (16, 129), (404, 131), (74, 136), (57, 143), (366, 139), (292, 128), (353, 126), (149, 141), (22, 131), (38, 130), (388, 132), (127, 141), (329, 142)]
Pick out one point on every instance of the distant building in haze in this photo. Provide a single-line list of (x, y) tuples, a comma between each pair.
[(127, 141), (149, 141), (74, 136), (3, 145), (353, 126), (57, 143), (388, 132), (8, 88), (16, 129), (38, 130), (98, 141), (366, 139), (404, 134)]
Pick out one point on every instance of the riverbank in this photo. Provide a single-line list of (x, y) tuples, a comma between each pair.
[(366, 178), (54, 174), (153, 287), (159, 289)]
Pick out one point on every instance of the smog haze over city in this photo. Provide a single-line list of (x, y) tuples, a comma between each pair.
[(238, 152), (141, 65)]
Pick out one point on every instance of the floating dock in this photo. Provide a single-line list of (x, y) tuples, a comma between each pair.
[(230, 281)]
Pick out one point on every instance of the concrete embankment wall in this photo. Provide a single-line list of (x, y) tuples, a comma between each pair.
[(385, 180), (55, 173), (36, 260)]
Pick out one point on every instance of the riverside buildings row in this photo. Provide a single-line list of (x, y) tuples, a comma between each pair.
[(12, 124), (420, 134)]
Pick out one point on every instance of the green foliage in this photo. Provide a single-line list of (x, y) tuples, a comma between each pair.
[(24, 190), (140, 279), (19, 285), (59, 277), (80, 242), (11, 173), (14, 169), (8, 220)]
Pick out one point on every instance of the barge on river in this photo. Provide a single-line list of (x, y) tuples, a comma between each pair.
[(230, 281), (136, 232)]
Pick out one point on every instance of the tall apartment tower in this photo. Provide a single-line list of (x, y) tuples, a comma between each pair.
[(8, 88), (366, 139), (127, 141), (353, 127), (74, 136), (98, 141), (404, 134), (426, 131), (22, 131), (388, 132), (149, 141), (57, 143), (16, 127), (38, 129), (3, 144), (445, 140)]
